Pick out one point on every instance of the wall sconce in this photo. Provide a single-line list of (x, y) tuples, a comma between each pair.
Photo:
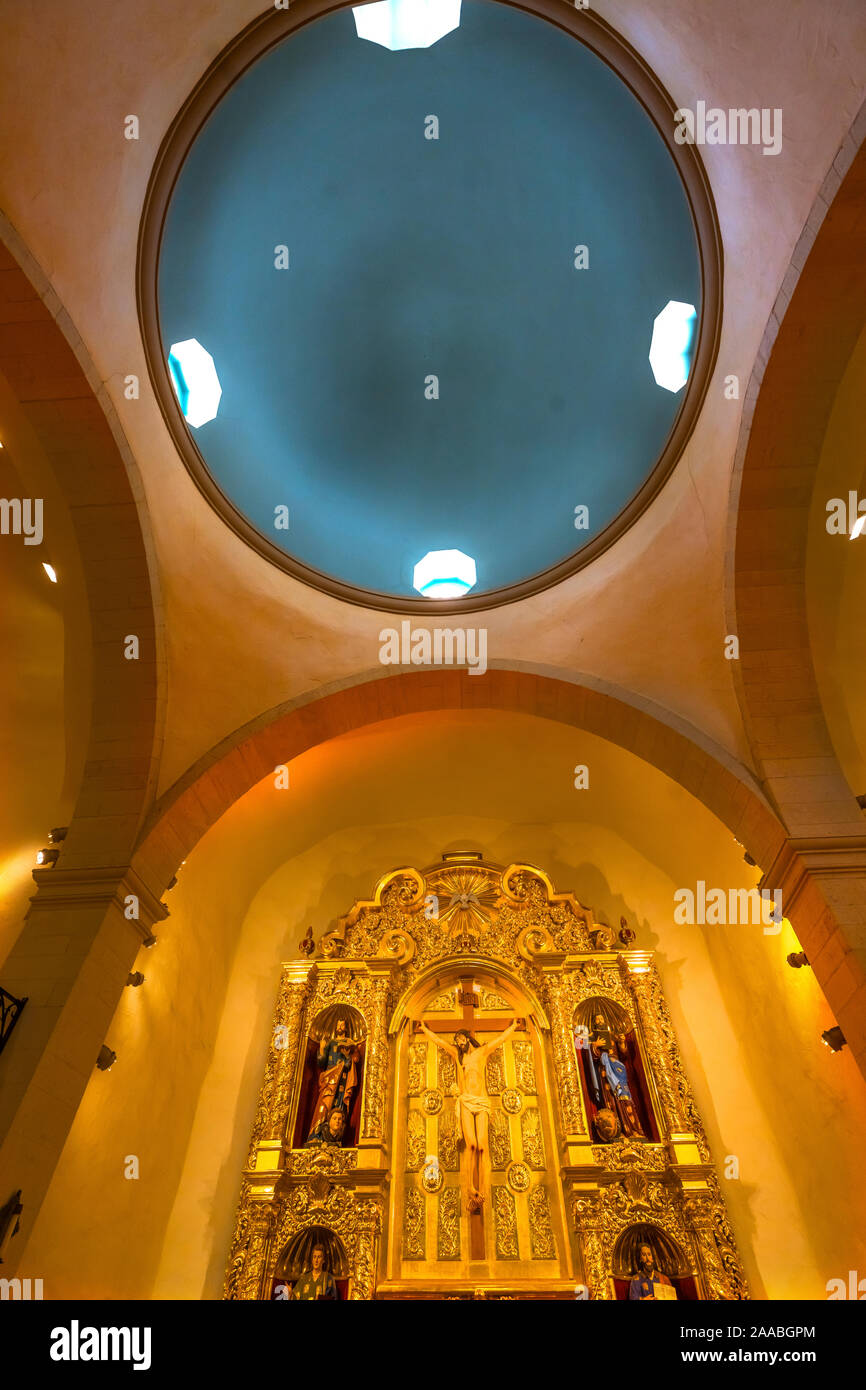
[(149, 941), (834, 1038), (753, 863), (797, 959), (106, 1059), (57, 834), (135, 978), (48, 856)]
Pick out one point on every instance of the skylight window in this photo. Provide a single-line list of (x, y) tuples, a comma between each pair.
[(195, 381), (398, 24), (671, 348), (445, 574)]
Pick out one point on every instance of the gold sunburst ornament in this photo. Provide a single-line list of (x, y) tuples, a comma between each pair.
[(466, 902)]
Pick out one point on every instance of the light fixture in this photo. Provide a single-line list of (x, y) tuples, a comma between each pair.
[(48, 856), (50, 571), (195, 379), (399, 24), (135, 978), (833, 1038), (149, 941), (106, 1059), (57, 834), (797, 959), (444, 574), (753, 864), (670, 349)]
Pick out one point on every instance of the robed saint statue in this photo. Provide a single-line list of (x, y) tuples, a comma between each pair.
[(337, 1062)]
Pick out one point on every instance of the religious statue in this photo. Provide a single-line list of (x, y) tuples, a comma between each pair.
[(608, 1081), (337, 1062), (317, 1282), (648, 1281), (473, 1103)]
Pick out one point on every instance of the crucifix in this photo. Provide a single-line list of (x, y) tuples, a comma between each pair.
[(473, 1103)]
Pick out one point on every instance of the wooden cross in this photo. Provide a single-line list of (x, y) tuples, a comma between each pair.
[(469, 998)]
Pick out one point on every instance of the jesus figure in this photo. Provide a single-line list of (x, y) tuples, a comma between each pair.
[(473, 1102)]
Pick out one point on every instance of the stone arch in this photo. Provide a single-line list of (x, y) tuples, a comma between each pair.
[(816, 321)]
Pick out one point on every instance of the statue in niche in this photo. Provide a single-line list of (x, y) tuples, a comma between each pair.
[(337, 1062), (316, 1282), (472, 1103), (606, 1054), (649, 1282)]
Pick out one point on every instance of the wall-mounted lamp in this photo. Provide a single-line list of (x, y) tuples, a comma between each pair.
[(57, 834), (834, 1038), (48, 856), (106, 1059), (753, 863), (797, 959), (149, 941), (135, 978)]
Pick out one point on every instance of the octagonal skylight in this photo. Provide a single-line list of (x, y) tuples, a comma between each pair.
[(670, 350), (195, 380), (397, 24), (445, 574)]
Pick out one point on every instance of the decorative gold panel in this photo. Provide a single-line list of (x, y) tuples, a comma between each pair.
[(443, 1003), (489, 1000), (541, 1238), (505, 1217), (448, 1224), (416, 1141), (414, 1233), (417, 1067), (499, 1135), (447, 1073), (524, 1066), (494, 1073), (533, 1140), (449, 1155)]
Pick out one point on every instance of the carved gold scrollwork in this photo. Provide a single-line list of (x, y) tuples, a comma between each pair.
[(500, 1140), (376, 1060), (561, 1006), (449, 1158), (416, 1141), (494, 1072), (524, 1064), (448, 1224), (447, 1073), (414, 1234), (417, 1067), (541, 1239), (505, 1217), (533, 1140)]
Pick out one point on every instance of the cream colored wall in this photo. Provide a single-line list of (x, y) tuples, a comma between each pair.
[(191, 1042)]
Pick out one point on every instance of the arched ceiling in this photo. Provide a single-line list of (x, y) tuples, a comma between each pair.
[(647, 615), (430, 370)]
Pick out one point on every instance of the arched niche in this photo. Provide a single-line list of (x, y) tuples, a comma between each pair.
[(297, 1256), (668, 1254), (323, 1092), (615, 1075)]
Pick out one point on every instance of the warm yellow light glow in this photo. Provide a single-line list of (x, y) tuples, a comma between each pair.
[(50, 571)]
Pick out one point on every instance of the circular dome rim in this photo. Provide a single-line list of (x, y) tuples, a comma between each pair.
[(247, 47)]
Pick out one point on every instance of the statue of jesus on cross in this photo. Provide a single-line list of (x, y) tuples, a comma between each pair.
[(473, 1102)]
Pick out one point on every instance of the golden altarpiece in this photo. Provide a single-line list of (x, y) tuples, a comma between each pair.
[(565, 1202)]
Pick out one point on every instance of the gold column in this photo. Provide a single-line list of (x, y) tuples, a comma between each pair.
[(565, 1061), (275, 1098), (372, 1118)]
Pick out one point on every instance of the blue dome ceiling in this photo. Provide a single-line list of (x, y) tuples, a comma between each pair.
[(411, 258)]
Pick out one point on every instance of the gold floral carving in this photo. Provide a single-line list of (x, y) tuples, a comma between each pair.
[(494, 1072), (512, 1101), (414, 1234), (533, 1140), (518, 1177), (542, 1243), (524, 1063), (505, 1217), (489, 1000), (417, 1067), (416, 1141), (447, 1073), (499, 1135), (443, 1004), (275, 1095), (431, 1102), (448, 1224), (376, 1060), (561, 1008), (449, 1158)]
